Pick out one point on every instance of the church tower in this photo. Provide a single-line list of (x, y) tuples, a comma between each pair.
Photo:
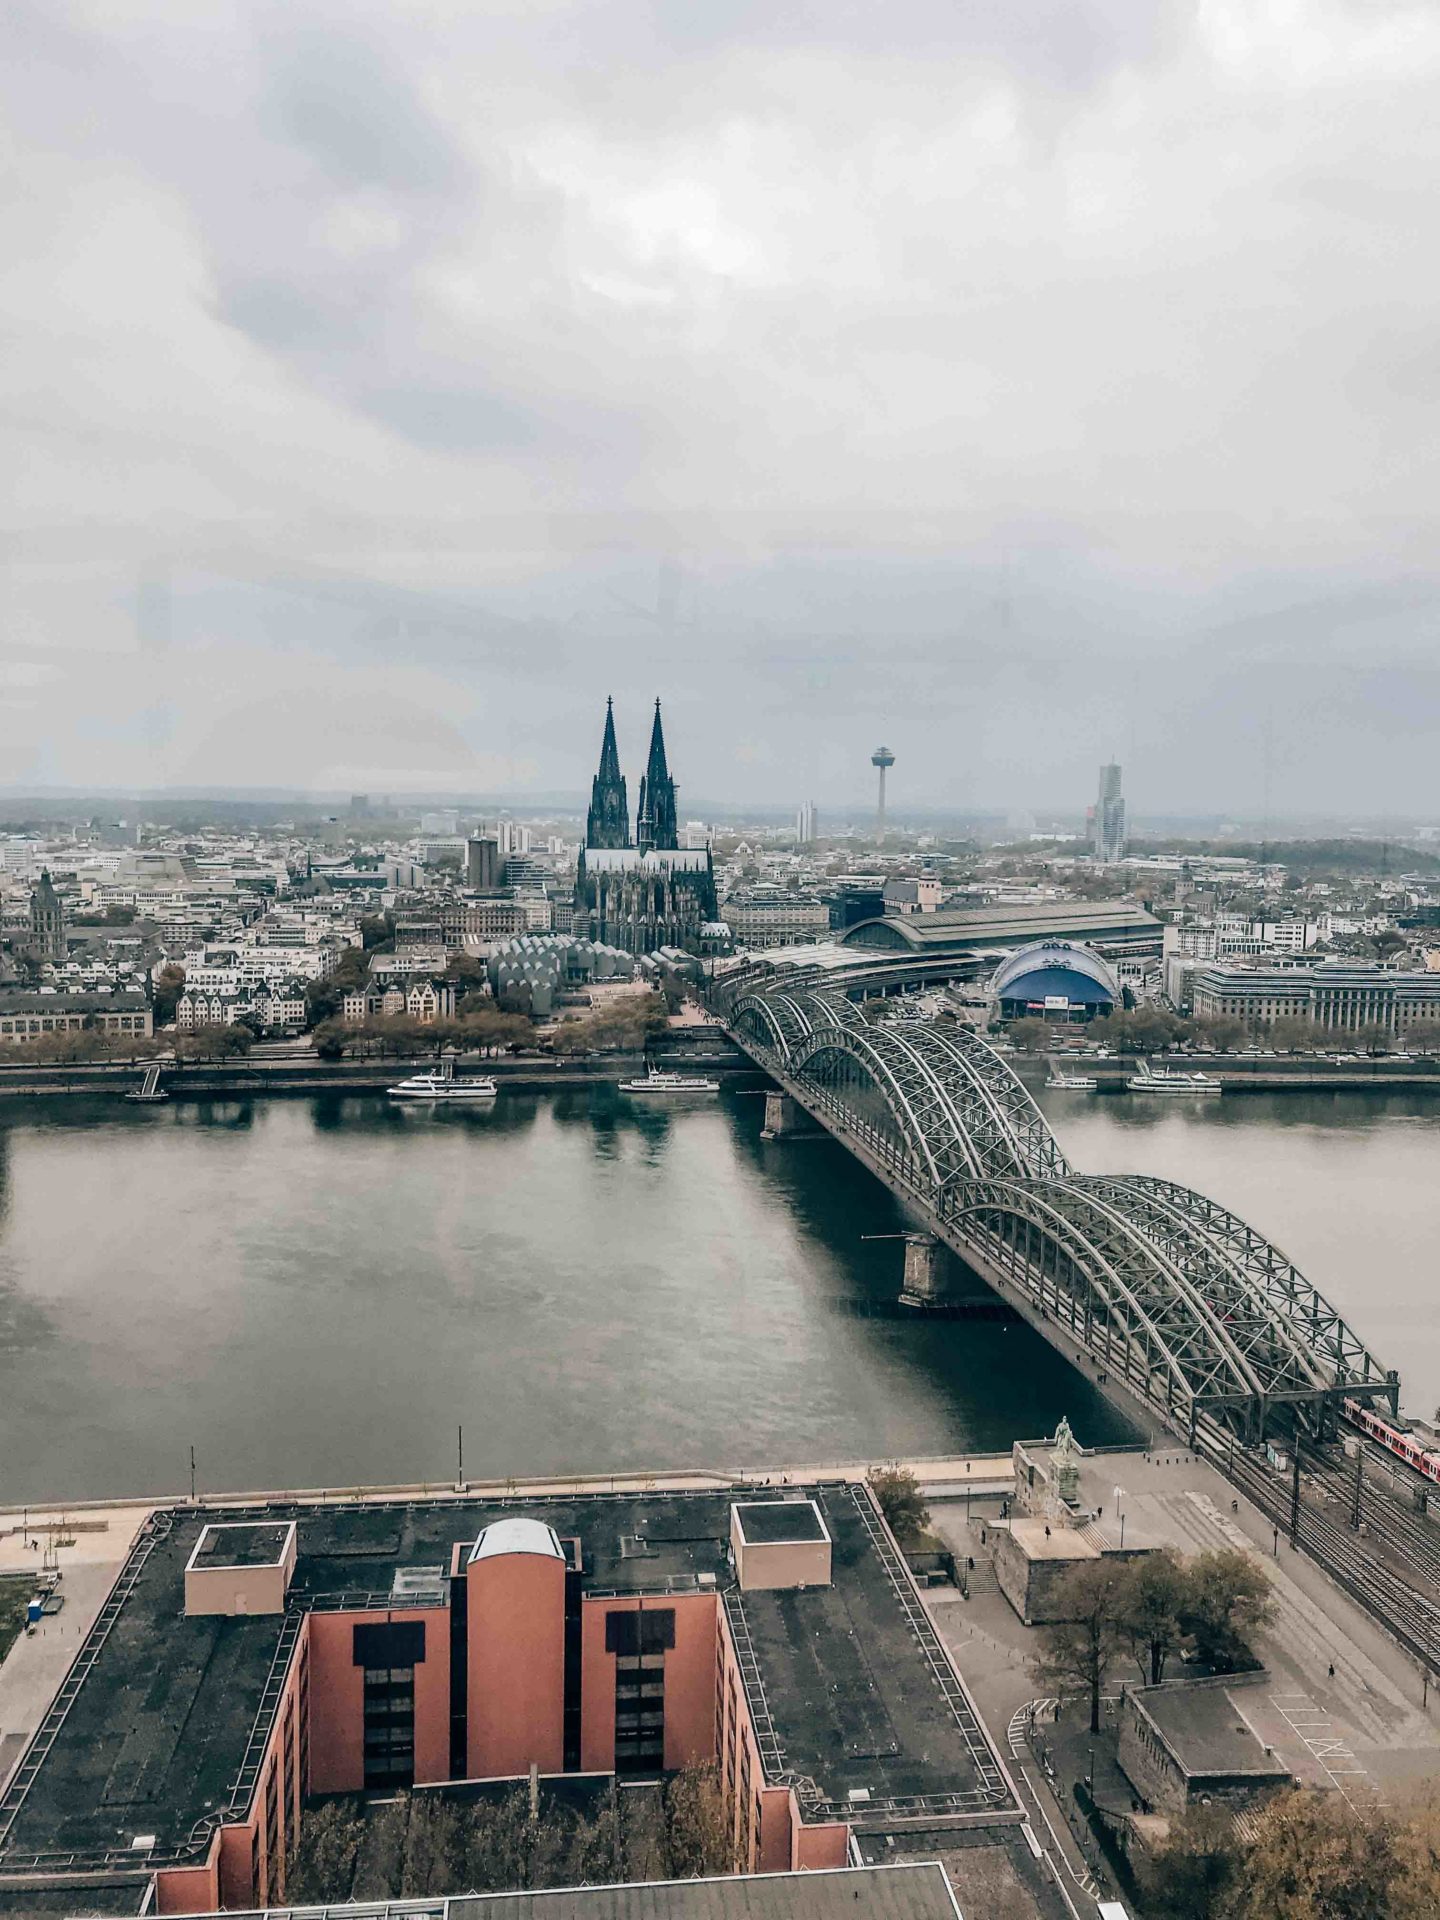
[(655, 822), (608, 822), (47, 921)]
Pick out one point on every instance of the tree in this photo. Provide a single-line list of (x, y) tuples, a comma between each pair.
[(376, 930), (1196, 1874), (463, 970), (1375, 1039), (379, 1866), (898, 1494), (1227, 1597), (1293, 1035), (1150, 1600), (169, 985), (324, 998), (1315, 1857), (322, 1866), (630, 1022), (1078, 1652), (213, 1042), (331, 1039), (1222, 1030), (697, 1829), (1031, 1033)]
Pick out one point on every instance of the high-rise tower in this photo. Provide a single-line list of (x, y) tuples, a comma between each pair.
[(1107, 823), (882, 758), (608, 822), (655, 822)]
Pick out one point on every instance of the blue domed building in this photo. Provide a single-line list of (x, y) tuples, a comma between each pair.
[(1056, 981)]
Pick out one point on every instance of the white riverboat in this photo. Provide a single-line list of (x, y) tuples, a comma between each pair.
[(1079, 1082), (656, 1081), (442, 1086), (1164, 1080)]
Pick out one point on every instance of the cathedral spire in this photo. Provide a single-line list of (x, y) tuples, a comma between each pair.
[(655, 822), (609, 753), (608, 822)]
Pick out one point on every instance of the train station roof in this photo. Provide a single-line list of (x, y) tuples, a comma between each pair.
[(1003, 926)]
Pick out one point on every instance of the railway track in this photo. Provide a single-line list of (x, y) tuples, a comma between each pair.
[(1386, 1517), (1405, 1605)]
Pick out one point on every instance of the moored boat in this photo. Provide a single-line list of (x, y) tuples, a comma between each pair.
[(656, 1081), (443, 1086), (1164, 1080)]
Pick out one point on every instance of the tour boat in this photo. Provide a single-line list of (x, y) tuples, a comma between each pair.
[(1162, 1080), (656, 1081), (443, 1086), (1081, 1082)]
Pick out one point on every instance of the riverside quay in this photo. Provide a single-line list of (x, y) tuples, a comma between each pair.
[(249, 1658)]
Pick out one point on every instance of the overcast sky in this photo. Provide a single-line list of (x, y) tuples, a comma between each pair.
[(1017, 382)]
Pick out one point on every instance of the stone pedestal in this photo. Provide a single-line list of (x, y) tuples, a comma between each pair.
[(922, 1281), (783, 1118)]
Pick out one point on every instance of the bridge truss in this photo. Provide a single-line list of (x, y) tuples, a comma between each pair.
[(1199, 1314)]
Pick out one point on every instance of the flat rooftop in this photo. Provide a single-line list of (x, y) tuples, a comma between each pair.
[(1204, 1729), (241, 1546), (908, 1890), (156, 1734), (861, 1695), (776, 1522), (1050, 1540)]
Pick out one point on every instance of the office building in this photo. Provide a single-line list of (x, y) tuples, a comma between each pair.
[(1338, 996), (772, 917), (258, 1656), (1107, 820), (28, 1016), (482, 863)]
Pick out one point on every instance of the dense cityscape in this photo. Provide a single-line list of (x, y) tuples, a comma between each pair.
[(720, 961), (880, 959)]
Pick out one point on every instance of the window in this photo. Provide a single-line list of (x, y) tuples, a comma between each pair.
[(389, 1652), (639, 1640)]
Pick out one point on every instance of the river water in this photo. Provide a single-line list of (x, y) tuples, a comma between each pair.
[(319, 1291)]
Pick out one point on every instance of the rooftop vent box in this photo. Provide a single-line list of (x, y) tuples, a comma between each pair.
[(241, 1566), (779, 1544)]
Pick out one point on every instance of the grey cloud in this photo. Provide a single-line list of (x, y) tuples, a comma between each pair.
[(1022, 383), (353, 111)]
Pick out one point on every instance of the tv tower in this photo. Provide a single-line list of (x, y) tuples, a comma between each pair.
[(882, 758)]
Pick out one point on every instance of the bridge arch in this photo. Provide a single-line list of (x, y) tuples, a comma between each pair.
[(1194, 1307), (948, 1116), (1125, 1294)]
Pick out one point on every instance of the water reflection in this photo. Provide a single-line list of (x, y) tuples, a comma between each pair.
[(320, 1290)]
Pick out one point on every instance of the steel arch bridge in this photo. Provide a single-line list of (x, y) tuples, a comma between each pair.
[(1200, 1315)]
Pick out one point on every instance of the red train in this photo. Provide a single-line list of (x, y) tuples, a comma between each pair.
[(1405, 1446)]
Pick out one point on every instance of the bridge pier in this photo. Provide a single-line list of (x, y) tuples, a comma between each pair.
[(921, 1285), (784, 1119)]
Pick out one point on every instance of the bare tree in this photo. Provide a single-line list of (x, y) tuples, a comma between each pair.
[(1078, 1652)]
